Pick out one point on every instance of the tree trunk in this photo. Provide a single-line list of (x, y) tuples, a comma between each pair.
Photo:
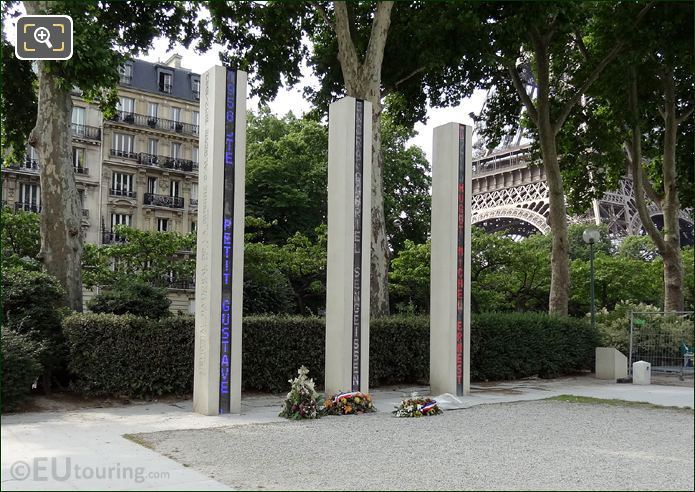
[(673, 268), (363, 81), (61, 238)]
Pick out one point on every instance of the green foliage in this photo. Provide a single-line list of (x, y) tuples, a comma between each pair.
[(20, 368), (20, 237), (132, 297), (407, 184), (130, 356), (31, 305), (141, 357), (286, 174), (409, 278), (18, 102), (158, 258)]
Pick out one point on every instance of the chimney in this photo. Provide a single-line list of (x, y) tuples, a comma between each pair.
[(174, 61)]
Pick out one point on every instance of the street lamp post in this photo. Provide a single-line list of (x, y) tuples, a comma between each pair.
[(591, 236)]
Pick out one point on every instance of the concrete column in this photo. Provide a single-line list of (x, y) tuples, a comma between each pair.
[(220, 248), (349, 238), (450, 306)]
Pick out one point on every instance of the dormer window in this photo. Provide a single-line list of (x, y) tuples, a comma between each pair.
[(195, 87), (165, 82), (126, 73)]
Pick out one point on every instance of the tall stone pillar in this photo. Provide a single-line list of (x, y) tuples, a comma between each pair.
[(349, 238), (220, 248), (450, 292)]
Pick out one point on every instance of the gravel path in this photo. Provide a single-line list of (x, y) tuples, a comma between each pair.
[(531, 445)]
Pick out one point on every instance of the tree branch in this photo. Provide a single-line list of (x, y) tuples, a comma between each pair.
[(564, 113), (580, 44), (521, 90), (680, 119), (410, 75), (322, 12), (377, 39), (347, 55)]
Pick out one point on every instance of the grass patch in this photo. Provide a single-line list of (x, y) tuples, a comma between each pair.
[(138, 440), (615, 403)]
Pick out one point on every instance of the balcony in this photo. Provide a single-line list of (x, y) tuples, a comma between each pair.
[(108, 237), (162, 200), (87, 132), (165, 162), (124, 154), (27, 207), (193, 202), (125, 193), (155, 122), (28, 164), (81, 170)]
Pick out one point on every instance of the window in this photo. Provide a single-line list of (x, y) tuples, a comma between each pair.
[(78, 119), (122, 184), (175, 188), (126, 105), (78, 159), (152, 110), (29, 197), (195, 87), (122, 145), (152, 146), (194, 154), (195, 119), (175, 150), (120, 219), (165, 82), (162, 225), (126, 72), (175, 114), (80, 194), (194, 226), (152, 185), (194, 191)]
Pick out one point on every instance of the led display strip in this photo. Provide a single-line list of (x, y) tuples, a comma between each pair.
[(357, 250), (460, 257), (227, 226)]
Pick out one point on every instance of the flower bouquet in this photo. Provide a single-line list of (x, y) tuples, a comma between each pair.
[(303, 402), (418, 407), (353, 402)]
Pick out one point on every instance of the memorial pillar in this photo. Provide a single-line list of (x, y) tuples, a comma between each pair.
[(220, 247), (349, 240), (450, 291)]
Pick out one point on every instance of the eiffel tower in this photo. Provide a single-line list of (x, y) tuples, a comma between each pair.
[(510, 193)]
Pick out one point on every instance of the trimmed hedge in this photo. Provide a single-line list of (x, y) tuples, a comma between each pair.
[(130, 356)]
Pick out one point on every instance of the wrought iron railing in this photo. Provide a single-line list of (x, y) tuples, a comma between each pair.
[(162, 200), (27, 207), (85, 131), (109, 237), (81, 170), (124, 154), (167, 162), (193, 202), (155, 122), (117, 192), (28, 164)]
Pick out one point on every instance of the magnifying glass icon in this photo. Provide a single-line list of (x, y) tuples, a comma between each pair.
[(43, 35)]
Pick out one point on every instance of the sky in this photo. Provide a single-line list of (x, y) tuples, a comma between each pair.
[(291, 99)]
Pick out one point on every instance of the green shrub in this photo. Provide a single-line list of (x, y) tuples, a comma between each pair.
[(136, 298), (32, 305), (20, 368), (133, 356)]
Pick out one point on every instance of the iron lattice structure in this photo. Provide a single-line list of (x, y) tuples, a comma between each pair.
[(510, 194)]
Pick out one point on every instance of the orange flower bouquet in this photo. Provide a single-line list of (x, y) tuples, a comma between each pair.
[(350, 403)]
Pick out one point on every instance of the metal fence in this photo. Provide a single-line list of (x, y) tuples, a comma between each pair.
[(665, 340)]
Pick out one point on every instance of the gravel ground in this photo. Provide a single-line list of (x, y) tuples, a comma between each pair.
[(530, 445)]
